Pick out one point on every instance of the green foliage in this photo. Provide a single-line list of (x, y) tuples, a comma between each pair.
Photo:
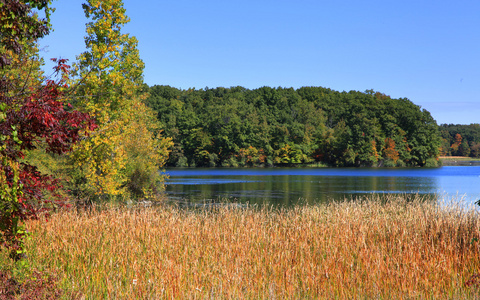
[(288, 126), (19, 28), (460, 140), (432, 163), (12, 231), (123, 155), (20, 25)]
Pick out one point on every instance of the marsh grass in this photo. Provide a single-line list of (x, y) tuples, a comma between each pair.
[(359, 249)]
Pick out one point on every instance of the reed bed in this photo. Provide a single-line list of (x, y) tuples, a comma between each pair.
[(359, 249)]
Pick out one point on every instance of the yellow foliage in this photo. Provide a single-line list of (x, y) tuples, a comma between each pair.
[(109, 76), (24, 70)]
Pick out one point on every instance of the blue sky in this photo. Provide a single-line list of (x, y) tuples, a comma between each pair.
[(426, 51)]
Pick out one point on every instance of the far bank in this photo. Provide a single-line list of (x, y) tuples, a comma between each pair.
[(459, 161)]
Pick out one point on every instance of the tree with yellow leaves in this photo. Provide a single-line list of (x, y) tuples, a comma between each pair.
[(124, 154)]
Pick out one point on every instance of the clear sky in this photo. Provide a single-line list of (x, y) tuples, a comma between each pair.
[(424, 50)]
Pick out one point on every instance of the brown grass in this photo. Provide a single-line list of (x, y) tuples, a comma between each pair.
[(458, 158), (350, 250)]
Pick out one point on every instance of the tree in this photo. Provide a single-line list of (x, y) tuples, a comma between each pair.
[(251, 156), (20, 26), (32, 115), (389, 151), (109, 81), (475, 150), (464, 149), (424, 140), (456, 145)]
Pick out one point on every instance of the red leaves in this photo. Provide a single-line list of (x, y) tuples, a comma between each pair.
[(61, 65), (40, 117), (44, 118)]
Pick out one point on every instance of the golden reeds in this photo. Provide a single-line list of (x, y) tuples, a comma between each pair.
[(355, 249)]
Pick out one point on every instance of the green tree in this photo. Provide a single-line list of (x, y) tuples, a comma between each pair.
[(338, 128)]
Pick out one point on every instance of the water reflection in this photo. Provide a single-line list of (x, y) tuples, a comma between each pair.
[(291, 186)]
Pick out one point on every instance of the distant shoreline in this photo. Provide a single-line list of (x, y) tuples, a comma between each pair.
[(459, 161)]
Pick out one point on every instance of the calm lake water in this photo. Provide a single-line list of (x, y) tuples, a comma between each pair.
[(288, 186)]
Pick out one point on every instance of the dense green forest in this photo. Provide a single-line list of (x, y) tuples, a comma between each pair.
[(283, 126), (460, 140)]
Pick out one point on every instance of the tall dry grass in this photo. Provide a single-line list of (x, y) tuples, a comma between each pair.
[(349, 250)]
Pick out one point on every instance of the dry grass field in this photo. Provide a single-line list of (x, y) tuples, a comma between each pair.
[(362, 249)]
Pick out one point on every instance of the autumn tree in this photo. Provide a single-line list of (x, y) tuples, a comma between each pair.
[(389, 152), (32, 115), (251, 156), (108, 80), (456, 145)]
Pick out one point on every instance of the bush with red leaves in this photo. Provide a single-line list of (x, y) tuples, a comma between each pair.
[(29, 120)]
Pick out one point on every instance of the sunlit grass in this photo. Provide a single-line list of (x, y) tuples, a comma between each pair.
[(362, 249)]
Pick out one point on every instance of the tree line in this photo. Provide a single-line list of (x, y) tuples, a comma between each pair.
[(460, 140), (268, 126)]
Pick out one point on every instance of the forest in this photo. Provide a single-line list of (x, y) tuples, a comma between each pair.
[(460, 140), (232, 127)]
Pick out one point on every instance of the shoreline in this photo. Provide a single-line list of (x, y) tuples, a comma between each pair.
[(459, 161)]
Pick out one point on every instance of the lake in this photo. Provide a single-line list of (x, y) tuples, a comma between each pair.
[(289, 186)]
